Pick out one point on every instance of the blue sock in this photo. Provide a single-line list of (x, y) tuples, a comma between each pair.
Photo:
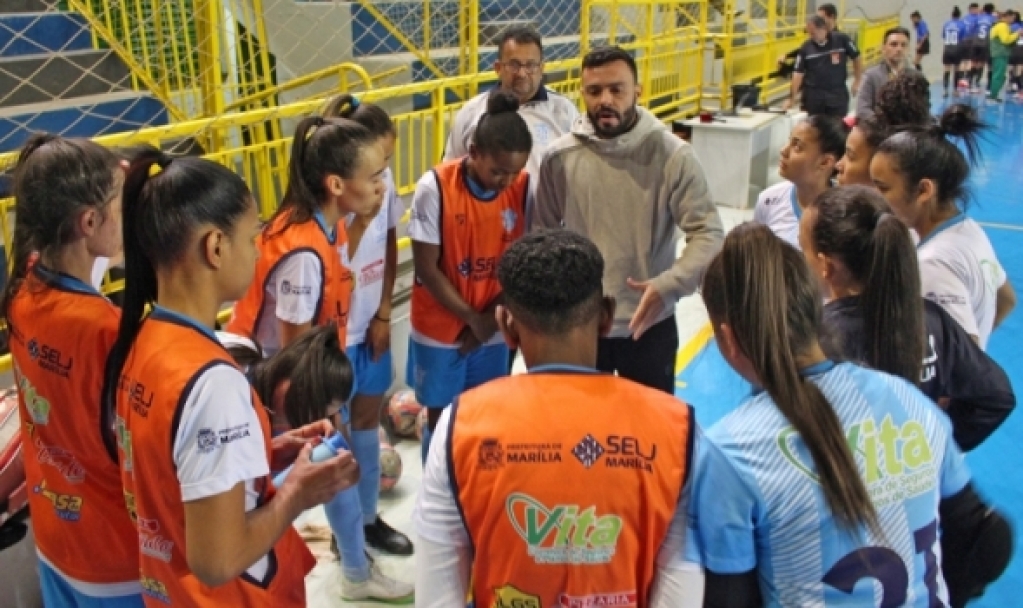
[(427, 436), (366, 448), (345, 516)]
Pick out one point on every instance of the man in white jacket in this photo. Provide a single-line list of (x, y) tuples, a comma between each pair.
[(520, 69), (624, 181)]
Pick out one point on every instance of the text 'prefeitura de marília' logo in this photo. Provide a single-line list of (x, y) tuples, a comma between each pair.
[(564, 534)]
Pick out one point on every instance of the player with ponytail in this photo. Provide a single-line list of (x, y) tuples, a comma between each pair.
[(68, 205), (465, 214), (336, 168), (923, 175), (193, 441), (803, 491), (373, 257), (875, 315)]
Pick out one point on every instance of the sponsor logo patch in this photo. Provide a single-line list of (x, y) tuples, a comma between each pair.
[(564, 534), (511, 597)]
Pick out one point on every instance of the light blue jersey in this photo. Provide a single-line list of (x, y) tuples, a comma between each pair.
[(756, 502), (954, 32)]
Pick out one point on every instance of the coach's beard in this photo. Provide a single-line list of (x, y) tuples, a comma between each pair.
[(622, 122)]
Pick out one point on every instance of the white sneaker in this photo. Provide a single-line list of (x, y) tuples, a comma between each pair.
[(378, 588)]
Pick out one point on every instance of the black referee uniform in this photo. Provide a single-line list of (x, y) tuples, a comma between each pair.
[(824, 69)]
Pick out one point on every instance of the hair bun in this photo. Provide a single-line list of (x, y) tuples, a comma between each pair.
[(500, 102), (959, 120)]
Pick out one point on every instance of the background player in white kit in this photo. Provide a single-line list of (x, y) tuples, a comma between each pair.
[(519, 67), (372, 256)]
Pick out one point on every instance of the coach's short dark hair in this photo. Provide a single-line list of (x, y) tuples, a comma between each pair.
[(519, 34), (829, 10), (552, 281), (896, 30), (610, 54)]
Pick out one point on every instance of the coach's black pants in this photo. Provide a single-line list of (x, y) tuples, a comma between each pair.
[(826, 102), (649, 361)]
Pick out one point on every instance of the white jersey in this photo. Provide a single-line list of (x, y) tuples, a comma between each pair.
[(548, 115), (219, 443), (960, 271), (367, 265), (778, 209)]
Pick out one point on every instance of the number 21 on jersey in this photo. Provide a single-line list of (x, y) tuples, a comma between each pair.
[(887, 568)]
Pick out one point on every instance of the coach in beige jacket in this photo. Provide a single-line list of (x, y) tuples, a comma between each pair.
[(624, 181)]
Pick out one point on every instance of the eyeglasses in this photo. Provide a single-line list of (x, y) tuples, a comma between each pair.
[(513, 67)]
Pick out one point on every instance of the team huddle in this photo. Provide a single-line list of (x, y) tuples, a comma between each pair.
[(583, 482)]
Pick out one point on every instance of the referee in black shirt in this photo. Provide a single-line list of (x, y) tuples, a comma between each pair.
[(820, 70)]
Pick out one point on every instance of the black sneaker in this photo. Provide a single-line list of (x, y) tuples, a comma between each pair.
[(386, 539)]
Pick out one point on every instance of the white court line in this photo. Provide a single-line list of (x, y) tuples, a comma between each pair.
[(1015, 227)]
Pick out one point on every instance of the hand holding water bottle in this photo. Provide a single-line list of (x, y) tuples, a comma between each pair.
[(319, 473)]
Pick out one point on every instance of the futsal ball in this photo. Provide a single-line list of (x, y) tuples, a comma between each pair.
[(402, 410), (390, 467), (421, 423)]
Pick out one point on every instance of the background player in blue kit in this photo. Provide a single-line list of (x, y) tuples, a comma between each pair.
[(969, 41), (953, 36), (981, 48), (923, 39), (823, 488)]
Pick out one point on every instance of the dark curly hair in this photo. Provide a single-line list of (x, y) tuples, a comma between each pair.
[(905, 101), (552, 281)]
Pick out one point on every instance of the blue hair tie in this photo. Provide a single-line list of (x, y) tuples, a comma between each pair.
[(355, 102)]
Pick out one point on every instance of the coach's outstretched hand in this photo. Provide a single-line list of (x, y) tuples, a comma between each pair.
[(649, 310)]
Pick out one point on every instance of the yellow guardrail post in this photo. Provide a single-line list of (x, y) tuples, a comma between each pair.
[(728, 29), (701, 57), (584, 26), (612, 23), (207, 28), (771, 56), (648, 53), (440, 112), (474, 43)]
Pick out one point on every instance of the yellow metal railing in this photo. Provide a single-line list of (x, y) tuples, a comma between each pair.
[(341, 71), (670, 54), (181, 50)]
